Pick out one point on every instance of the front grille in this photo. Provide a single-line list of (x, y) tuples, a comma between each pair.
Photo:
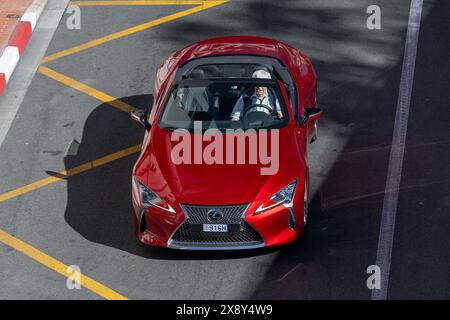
[(245, 235), (240, 233)]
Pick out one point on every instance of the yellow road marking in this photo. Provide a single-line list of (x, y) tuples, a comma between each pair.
[(86, 89), (69, 173), (59, 267), (137, 3), (129, 31)]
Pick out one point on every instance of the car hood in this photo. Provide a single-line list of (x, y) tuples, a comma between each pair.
[(215, 184)]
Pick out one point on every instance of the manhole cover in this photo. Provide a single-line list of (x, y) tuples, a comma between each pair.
[(13, 16)]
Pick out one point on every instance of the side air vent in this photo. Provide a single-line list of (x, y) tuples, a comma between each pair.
[(292, 221)]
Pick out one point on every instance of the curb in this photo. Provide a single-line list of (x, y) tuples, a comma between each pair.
[(18, 41)]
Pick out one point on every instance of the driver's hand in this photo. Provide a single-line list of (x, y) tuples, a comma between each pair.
[(280, 115), (234, 118)]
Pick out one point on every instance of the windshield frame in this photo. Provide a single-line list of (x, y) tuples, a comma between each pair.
[(271, 82)]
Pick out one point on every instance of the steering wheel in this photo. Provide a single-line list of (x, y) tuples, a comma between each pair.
[(257, 117), (259, 105)]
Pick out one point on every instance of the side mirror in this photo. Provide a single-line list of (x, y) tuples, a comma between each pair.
[(140, 116), (311, 114)]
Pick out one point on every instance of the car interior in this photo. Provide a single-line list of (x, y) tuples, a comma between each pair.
[(209, 93)]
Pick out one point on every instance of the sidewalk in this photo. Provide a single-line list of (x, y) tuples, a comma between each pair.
[(18, 19), (10, 13)]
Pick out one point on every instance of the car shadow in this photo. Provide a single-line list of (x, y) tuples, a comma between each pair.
[(99, 200)]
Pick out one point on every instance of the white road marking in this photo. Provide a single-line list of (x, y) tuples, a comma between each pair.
[(387, 228), (20, 81)]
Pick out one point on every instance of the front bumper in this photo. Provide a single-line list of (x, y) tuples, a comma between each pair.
[(273, 228), (174, 245), (156, 227)]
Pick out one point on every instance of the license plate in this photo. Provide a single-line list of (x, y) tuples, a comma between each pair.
[(215, 228)]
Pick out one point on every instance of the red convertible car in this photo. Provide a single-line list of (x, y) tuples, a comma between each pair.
[(224, 159)]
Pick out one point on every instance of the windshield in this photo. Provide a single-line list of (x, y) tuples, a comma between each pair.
[(253, 103)]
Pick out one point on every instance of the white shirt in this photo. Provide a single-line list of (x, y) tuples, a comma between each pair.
[(239, 106)]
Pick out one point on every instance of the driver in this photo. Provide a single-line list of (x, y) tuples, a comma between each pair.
[(260, 96)]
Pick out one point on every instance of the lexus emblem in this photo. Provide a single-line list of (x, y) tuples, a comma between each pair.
[(215, 215)]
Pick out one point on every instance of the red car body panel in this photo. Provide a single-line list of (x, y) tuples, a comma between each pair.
[(216, 184)]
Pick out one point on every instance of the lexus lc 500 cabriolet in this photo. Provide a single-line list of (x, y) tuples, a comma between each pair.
[(224, 158)]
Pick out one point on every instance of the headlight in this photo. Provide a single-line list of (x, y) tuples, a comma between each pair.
[(282, 197), (149, 198)]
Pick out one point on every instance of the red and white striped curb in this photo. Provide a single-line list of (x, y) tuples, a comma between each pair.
[(19, 40)]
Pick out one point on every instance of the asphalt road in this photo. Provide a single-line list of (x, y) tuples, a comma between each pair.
[(85, 219)]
